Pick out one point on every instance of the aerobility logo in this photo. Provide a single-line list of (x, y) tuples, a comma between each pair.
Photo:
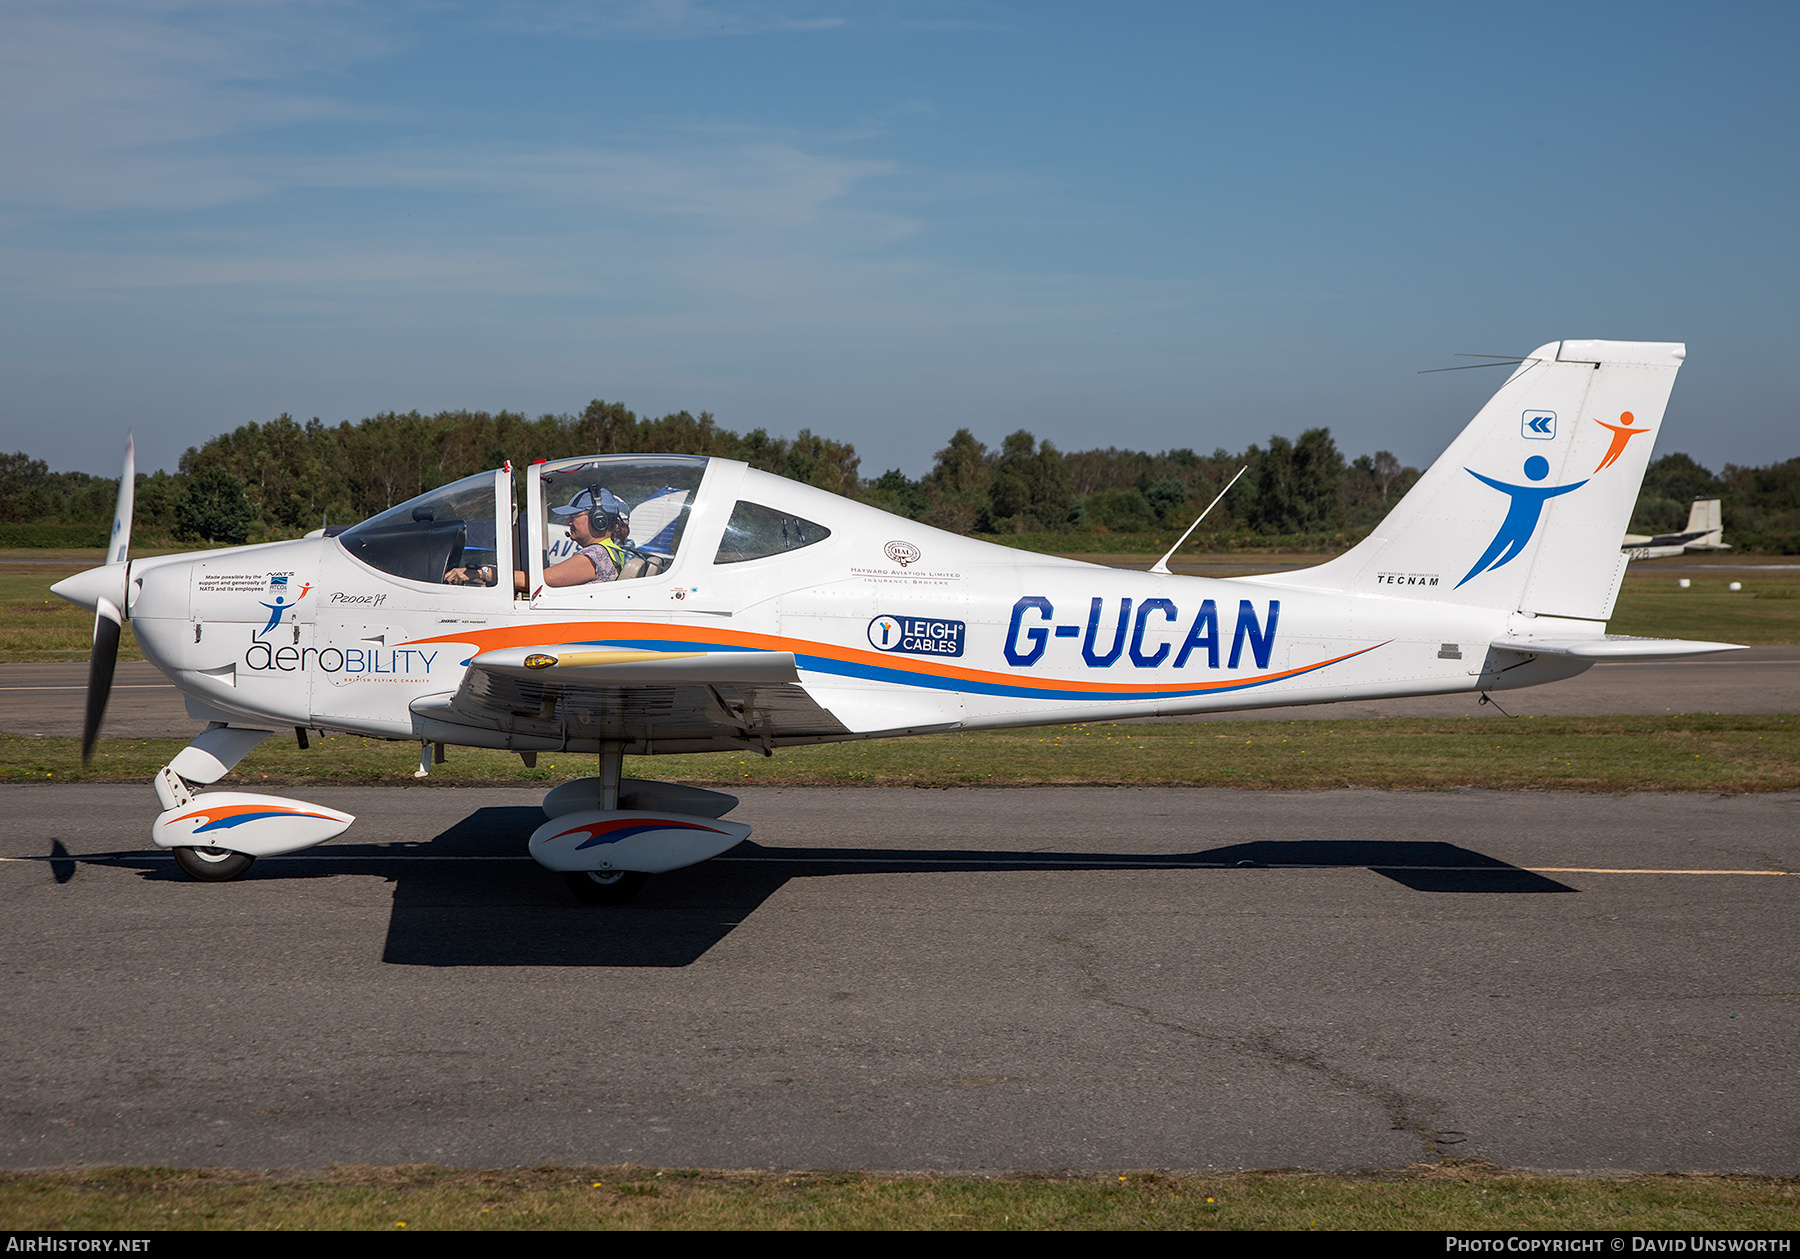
[(407, 663), (278, 586), (1622, 433), (1523, 512), (1525, 506)]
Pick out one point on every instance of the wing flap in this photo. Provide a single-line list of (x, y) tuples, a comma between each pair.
[(662, 700), (865, 710)]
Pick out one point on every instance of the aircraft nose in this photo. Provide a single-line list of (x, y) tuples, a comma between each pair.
[(87, 588)]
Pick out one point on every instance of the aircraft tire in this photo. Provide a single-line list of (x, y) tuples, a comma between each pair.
[(212, 865), (605, 887)]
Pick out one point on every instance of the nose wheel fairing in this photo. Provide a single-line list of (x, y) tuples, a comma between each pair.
[(249, 823)]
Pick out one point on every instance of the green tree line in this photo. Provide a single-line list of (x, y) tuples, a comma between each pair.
[(281, 478), (1291, 488)]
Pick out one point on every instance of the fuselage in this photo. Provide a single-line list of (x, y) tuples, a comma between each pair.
[(948, 631)]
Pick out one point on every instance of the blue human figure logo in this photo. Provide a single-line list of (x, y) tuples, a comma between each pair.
[(1521, 517), (275, 610)]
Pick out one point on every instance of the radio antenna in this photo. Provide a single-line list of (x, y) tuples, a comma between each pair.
[(1162, 565)]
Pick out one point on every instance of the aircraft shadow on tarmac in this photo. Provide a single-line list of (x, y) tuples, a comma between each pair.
[(480, 911)]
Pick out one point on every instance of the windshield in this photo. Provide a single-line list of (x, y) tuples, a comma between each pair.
[(616, 519), (444, 536)]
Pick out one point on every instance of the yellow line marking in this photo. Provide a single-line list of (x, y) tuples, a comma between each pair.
[(1596, 870)]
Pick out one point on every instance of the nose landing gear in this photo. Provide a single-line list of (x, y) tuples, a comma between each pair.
[(212, 865)]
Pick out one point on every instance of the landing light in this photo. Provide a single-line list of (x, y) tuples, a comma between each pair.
[(537, 660)]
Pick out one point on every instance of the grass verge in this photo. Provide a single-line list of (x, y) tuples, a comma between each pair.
[(35, 625), (1766, 610), (1679, 752), (1449, 1196)]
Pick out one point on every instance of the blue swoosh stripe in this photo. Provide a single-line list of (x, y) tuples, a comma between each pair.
[(906, 677)]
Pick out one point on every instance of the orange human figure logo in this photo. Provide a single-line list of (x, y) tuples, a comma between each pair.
[(1622, 433)]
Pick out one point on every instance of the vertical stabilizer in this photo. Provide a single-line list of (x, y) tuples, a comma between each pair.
[(1706, 519), (1525, 510)]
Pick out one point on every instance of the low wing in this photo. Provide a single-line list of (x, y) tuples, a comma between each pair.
[(663, 700)]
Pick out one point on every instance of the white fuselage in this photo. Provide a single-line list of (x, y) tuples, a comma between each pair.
[(893, 627)]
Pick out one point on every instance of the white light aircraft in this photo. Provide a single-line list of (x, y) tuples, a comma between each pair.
[(1705, 532), (749, 611)]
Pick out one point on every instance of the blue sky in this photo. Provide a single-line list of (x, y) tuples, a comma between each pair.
[(1145, 225)]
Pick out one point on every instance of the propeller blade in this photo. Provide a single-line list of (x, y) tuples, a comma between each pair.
[(100, 675), (109, 617), (118, 543)]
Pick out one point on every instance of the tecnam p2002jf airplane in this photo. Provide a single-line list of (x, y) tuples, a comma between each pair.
[(747, 611)]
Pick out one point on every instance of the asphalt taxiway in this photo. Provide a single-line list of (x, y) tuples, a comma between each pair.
[(994, 979)]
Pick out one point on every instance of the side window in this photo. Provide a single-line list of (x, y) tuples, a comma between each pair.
[(755, 531)]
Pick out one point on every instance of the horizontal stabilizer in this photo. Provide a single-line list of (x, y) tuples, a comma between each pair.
[(1613, 647)]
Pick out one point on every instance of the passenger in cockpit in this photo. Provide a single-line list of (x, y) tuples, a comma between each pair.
[(598, 522)]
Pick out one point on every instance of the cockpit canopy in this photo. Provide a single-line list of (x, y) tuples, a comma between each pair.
[(446, 535), (601, 519)]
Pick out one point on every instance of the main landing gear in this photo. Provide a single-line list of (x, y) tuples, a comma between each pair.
[(605, 887), (607, 835)]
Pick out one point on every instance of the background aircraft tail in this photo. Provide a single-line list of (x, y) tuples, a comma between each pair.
[(1526, 509), (1705, 519)]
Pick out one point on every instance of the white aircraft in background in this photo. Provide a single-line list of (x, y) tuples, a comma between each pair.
[(754, 612), (1704, 532)]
